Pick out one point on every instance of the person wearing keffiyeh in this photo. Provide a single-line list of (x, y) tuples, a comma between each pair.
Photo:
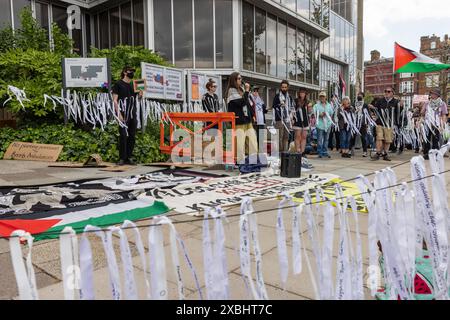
[(434, 114)]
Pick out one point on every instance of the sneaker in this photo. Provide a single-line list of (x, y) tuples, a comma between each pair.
[(327, 156), (121, 163), (376, 157), (365, 155), (386, 158)]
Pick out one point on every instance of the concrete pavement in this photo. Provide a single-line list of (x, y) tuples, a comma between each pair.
[(46, 253)]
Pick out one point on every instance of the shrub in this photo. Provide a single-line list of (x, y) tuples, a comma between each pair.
[(122, 56), (79, 144)]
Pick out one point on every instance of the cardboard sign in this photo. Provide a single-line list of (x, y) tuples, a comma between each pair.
[(33, 152)]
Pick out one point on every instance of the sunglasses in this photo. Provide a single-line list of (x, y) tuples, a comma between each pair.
[(387, 91), (239, 78), (213, 86)]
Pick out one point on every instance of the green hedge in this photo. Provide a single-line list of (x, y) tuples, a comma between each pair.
[(79, 144)]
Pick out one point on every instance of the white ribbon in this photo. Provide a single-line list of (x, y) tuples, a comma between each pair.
[(214, 257), (25, 277), (281, 241), (68, 244), (248, 227)]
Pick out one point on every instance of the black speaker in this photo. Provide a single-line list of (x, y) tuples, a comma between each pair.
[(291, 165)]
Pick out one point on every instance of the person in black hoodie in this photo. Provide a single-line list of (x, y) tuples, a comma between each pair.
[(238, 102)]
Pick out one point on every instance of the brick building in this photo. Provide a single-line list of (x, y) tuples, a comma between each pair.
[(378, 74), (437, 49)]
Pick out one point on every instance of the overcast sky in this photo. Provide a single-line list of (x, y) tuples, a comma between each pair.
[(404, 21)]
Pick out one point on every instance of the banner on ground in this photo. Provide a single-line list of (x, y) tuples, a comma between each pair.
[(230, 191)]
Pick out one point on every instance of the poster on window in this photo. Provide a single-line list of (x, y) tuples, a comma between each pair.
[(163, 83), (155, 78), (85, 72), (197, 85), (175, 81)]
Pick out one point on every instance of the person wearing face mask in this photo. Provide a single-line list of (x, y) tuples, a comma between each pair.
[(124, 99)]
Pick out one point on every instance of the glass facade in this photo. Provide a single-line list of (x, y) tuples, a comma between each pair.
[(5, 13), (341, 45), (18, 5), (315, 10), (279, 49), (113, 26), (180, 17)]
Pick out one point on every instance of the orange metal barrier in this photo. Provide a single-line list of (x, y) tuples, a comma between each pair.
[(174, 120)]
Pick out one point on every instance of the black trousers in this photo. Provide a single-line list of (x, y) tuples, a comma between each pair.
[(337, 136), (127, 139), (260, 129), (433, 141), (363, 132)]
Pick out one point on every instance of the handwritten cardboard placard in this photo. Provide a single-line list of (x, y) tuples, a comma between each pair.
[(33, 152)]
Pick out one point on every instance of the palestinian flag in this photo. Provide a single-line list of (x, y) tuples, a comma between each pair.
[(409, 61), (50, 226)]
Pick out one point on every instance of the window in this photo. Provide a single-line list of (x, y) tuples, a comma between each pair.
[(42, 15), (60, 18), (433, 45), (5, 13), (114, 26), (407, 87), (406, 75), (300, 56), (224, 34), (309, 58), (316, 11), (290, 4), (18, 6), (282, 49), (163, 28), (292, 53), (104, 30), (182, 18), (248, 36), (272, 45), (432, 81), (303, 8), (204, 34), (126, 23), (316, 61), (138, 22), (260, 41)]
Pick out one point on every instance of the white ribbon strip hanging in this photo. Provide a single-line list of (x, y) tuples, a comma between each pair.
[(24, 272), (214, 257), (70, 266), (249, 231)]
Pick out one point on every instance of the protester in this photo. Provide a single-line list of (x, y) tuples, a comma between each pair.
[(210, 101), (260, 111), (435, 116), (362, 112), (323, 112), (283, 108), (124, 103), (238, 102), (301, 121), (344, 113), (386, 110), (334, 140)]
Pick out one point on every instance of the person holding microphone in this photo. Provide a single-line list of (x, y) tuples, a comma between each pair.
[(238, 102)]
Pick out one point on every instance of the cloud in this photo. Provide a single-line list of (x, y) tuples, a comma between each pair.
[(379, 15)]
